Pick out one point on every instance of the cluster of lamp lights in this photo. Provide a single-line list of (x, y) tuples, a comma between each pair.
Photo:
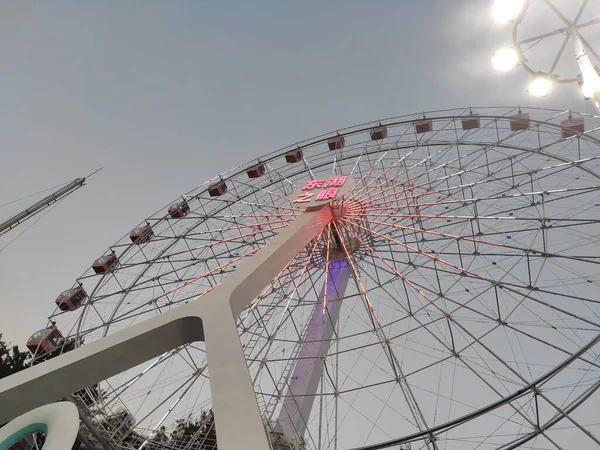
[(507, 58)]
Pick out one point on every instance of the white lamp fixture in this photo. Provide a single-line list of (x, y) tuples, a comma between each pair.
[(507, 10), (505, 59), (540, 86), (587, 89), (590, 86), (516, 54)]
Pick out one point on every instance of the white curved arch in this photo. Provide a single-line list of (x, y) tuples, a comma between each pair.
[(58, 421)]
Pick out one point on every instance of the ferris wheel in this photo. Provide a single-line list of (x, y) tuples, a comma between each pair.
[(452, 302)]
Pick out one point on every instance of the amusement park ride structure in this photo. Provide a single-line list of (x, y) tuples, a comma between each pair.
[(41, 205), (477, 219)]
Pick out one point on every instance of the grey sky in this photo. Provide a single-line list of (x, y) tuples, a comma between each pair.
[(165, 95)]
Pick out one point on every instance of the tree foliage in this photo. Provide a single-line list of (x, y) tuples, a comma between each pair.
[(12, 360), (190, 434), (202, 431)]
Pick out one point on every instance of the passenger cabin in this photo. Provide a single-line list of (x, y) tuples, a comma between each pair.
[(336, 143), (45, 341), (105, 263), (520, 122), (256, 171), (423, 126), (378, 133), (572, 127), (217, 189), (471, 122), (141, 234), (294, 156), (179, 210), (71, 298)]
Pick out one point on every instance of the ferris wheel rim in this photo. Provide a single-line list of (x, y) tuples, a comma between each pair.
[(357, 129), (350, 133)]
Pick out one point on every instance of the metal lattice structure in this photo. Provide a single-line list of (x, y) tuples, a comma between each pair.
[(41, 205), (454, 293), (582, 17)]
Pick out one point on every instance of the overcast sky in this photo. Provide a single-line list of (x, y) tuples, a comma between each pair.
[(165, 95)]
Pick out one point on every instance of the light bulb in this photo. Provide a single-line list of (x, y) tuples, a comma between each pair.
[(540, 86), (587, 89), (505, 59), (507, 10)]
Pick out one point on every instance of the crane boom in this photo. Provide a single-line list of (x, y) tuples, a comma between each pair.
[(40, 205)]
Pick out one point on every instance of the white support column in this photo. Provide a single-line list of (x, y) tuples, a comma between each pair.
[(590, 77), (306, 375)]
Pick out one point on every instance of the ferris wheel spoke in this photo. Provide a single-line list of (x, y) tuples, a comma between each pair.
[(460, 270), (121, 388), (550, 306), (271, 193), (182, 390), (405, 280), (384, 341), (361, 196), (576, 191), (135, 312), (269, 206), (452, 350), (455, 220), (540, 37), (155, 299), (170, 256), (468, 238), (281, 176), (559, 54), (459, 172), (492, 319), (587, 24), (286, 269), (363, 178), (557, 12), (271, 339), (513, 176)]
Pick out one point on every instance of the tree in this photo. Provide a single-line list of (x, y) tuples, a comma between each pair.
[(201, 431), (12, 359)]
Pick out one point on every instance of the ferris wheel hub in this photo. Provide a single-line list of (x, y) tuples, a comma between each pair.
[(347, 208), (348, 235)]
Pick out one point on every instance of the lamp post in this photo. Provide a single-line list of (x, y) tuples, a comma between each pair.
[(542, 83)]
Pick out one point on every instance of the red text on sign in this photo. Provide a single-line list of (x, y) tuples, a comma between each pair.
[(332, 182), (304, 197), (327, 194)]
